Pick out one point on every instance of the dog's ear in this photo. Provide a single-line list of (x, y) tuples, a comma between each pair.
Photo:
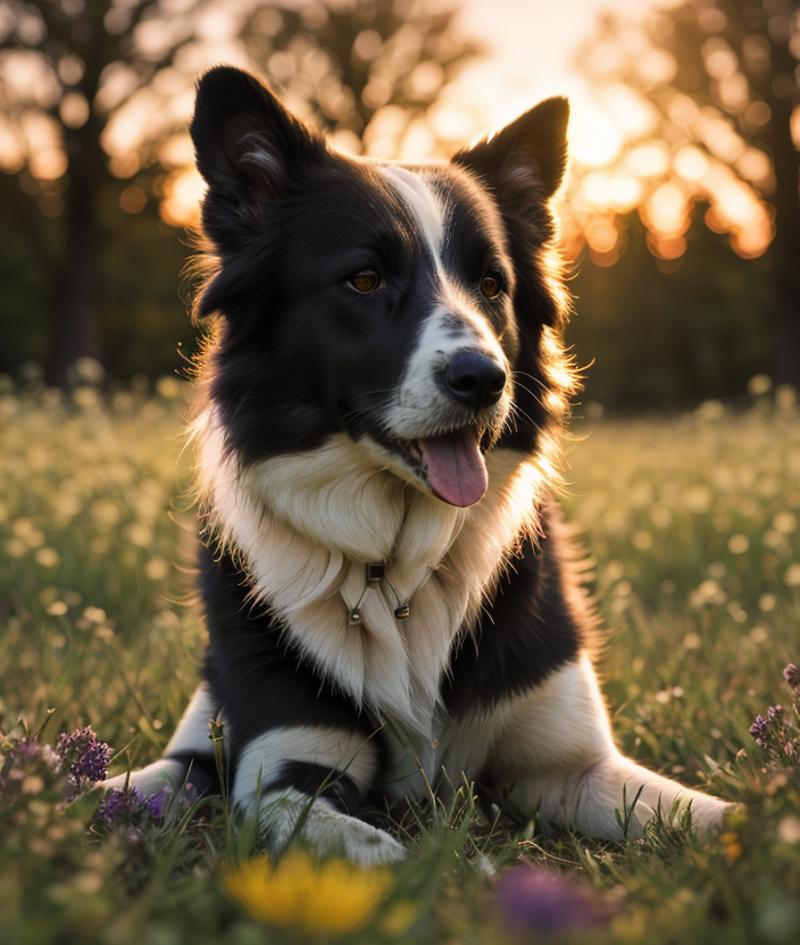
[(247, 147), (530, 151)]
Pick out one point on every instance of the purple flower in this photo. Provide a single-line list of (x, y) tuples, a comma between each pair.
[(775, 712), (27, 749), (534, 899), (82, 757), (156, 803), (792, 675), (131, 806), (115, 804), (759, 729)]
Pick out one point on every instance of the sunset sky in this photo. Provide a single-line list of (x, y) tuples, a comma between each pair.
[(531, 49), (533, 45), (530, 54)]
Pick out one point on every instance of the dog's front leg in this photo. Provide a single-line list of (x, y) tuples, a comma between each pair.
[(615, 798), (557, 757), (306, 780)]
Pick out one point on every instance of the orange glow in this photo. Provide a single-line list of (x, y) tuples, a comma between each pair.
[(48, 164), (632, 114), (666, 211), (690, 163), (605, 260), (754, 165), (795, 124), (594, 139), (133, 199), (183, 192), (666, 247), (74, 110), (611, 191), (602, 235), (753, 240), (648, 160)]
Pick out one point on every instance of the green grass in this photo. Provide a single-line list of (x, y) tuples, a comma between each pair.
[(692, 525)]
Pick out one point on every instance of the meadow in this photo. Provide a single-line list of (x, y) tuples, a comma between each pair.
[(692, 524)]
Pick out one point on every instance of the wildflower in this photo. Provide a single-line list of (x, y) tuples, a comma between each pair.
[(759, 729), (731, 846), (333, 897), (534, 899), (130, 806), (792, 675), (83, 758), (778, 732), (27, 749)]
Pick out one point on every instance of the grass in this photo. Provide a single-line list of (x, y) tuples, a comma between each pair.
[(692, 524)]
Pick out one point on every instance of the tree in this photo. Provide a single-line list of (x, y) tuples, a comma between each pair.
[(347, 63), (717, 80), (67, 67), (96, 91)]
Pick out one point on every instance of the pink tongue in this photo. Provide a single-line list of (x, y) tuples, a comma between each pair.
[(455, 466)]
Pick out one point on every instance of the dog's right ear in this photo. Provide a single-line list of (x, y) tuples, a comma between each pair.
[(247, 147)]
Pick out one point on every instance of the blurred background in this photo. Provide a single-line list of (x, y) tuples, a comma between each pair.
[(680, 217)]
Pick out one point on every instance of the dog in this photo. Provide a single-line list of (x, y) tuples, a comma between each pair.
[(392, 602)]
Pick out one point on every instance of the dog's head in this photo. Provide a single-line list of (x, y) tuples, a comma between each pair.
[(409, 307)]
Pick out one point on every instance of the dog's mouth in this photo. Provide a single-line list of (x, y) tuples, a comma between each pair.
[(451, 463)]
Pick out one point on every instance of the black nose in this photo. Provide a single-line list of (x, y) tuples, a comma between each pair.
[(474, 379)]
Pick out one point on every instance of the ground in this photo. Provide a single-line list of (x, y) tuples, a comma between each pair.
[(691, 523)]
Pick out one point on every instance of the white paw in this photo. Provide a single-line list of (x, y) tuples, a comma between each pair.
[(708, 814), (156, 777), (329, 831), (370, 846)]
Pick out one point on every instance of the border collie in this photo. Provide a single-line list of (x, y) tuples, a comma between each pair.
[(392, 604)]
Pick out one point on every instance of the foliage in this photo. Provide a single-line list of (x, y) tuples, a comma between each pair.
[(368, 71), (715, 85), (672, 333), (693, 525)]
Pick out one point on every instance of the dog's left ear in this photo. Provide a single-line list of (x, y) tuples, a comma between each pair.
[(534, 147)]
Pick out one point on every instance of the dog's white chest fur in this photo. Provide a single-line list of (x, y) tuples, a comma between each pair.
[(307, 525)]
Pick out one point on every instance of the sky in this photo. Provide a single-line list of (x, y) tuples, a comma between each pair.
[(533, 46)]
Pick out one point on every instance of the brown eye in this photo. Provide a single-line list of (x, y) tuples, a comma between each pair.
[(365, 281), (491, 285)]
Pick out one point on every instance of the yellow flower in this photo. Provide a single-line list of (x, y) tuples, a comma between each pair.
[(333, 897), (731, 846)]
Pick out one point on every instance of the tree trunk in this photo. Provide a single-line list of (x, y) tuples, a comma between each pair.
[(74, 330), (786, 246)]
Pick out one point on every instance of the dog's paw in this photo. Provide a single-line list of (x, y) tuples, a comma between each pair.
[(370, 846), (158, 776), (708, 815), (288, 814)]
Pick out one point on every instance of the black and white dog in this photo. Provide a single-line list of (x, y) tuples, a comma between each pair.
[(391, 602)]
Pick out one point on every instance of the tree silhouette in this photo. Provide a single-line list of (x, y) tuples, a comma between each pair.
[(72, 70), (346, 62), (719, 78), (82, 61)]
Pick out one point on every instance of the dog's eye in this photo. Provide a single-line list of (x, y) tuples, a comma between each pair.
[(491, 284), (364, 282)]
